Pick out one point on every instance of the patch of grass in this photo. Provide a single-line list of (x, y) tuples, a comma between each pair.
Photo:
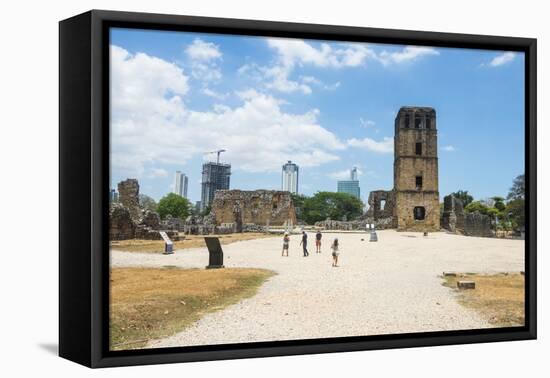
[(151, 303), (190, 241), (500, 298)]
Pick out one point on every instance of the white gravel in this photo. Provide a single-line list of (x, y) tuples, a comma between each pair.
[(391, 286)]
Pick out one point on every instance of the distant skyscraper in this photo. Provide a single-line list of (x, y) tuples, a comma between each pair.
[(290, 177), (215, 176), (180, 184), (350, 186), (113, 195), (353, 174)]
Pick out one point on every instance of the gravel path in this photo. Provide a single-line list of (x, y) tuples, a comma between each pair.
[(391, 286)]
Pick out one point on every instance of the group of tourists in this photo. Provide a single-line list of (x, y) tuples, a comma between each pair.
[(318, 236)]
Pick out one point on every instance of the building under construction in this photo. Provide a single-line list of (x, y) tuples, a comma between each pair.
[(215, 176)]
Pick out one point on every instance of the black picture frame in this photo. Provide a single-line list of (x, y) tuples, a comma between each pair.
[(84, 187)]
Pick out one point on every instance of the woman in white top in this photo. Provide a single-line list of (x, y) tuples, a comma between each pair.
[(335, 252)]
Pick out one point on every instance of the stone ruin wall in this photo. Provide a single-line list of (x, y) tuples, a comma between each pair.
[(258, 207), (455, 220), (452, 218), (129, 221), (406, 201), (381, 217)]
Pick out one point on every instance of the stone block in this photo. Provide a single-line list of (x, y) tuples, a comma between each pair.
[(466, 285)]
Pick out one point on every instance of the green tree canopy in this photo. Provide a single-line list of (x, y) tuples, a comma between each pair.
[(147, 202), (174, 205), (298, 202), (517, 191), (331, 205), (516, 213), (463, 196), (477, 206), (499, 203)]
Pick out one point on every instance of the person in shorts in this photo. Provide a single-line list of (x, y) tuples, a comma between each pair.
[(318, 237), (286, 242), (335, 252)]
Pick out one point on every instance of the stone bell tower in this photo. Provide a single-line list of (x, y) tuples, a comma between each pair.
[(415, 171)]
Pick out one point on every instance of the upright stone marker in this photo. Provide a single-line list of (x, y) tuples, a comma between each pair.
[(373, 236), (168, 244), (215, 252)]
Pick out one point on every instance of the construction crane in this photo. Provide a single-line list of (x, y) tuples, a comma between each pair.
[(218, 152)]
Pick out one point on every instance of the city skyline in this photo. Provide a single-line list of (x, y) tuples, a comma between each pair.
[(350, 186), (324, 105), (181, 182)]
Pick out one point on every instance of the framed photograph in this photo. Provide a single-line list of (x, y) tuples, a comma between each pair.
[(234, 188)]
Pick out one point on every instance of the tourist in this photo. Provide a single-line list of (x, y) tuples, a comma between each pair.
[(318, 237), (286, 241), (335, 252), (303, 243)]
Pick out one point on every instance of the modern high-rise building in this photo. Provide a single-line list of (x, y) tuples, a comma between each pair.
[(180, 184), (113, 195), (353, 174), (215, 176), (290, 176), (350, 186)]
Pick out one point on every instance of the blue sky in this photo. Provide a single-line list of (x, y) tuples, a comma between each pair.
[(328, 106)]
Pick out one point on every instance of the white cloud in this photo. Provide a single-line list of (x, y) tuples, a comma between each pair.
[(295, 53), (204, 58), (385, 146), (366, 123), (448, 148), (502, 59), (407, 54), (151, 125), (214, 94), (203, 51), (158, 172), (344, 174), (292, 53)]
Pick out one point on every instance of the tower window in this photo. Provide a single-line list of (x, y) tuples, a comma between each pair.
[(418, 182), (419, 213), (417, 122), (382, 204), (428, 123), (407, 121), (418, 148)]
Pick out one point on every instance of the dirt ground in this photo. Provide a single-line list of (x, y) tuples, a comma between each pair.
[(149, 303), (188, 241), (500, 298)]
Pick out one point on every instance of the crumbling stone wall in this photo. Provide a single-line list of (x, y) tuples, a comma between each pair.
[(129, 221), (122, 226), (376, 212), (452, 218), (477, 224), (128, 196), (330, 224), (259, 207)]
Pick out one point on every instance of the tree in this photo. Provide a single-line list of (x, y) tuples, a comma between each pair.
[(174, 205), (476, 206), (516, 213), (331, 205), (463, 196), (517, 191), (298, 202), (147, 202), (499, 203)]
